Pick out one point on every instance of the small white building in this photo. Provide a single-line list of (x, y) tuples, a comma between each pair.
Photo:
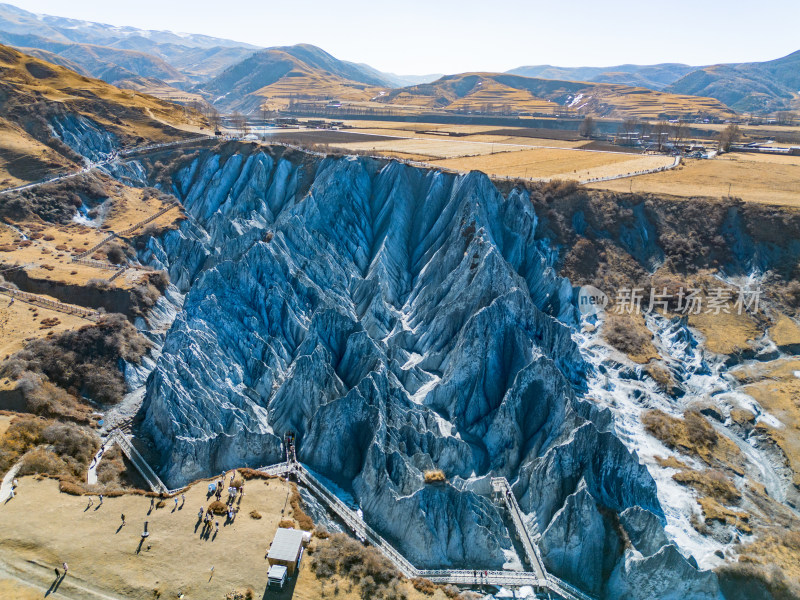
[(286, 549)]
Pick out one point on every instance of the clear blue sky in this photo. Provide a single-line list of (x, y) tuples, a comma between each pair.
[(449, 36)]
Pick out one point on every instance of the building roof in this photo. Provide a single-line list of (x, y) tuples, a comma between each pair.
[(276, 572), (286, 545)]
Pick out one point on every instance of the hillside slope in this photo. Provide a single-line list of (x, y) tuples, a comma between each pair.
[(102, 62), (41, 105), (301, 71), (753, 87), (482, 91), (654, 77), (760, 87)]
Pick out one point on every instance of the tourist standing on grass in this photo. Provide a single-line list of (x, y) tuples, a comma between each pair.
[(101, 500), (123, 518)]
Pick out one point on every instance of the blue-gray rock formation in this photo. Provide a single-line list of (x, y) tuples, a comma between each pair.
[(84, 136), (397, 320)]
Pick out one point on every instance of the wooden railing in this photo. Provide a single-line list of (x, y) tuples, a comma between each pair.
[(37, 300), (139, 462)]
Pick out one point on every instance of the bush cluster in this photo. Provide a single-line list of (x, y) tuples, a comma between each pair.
[(303, 520), (344, 556), (84, 362), (61, 450), (54, 202)]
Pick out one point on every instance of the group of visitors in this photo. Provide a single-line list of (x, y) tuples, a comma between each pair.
[(208, 521)]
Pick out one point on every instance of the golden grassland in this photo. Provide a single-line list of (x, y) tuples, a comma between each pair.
[(499, 95), (465, 133), (20, 321), (5, 421), (43, 528), (726, 333), (550, 163), (768, 179), (501, 155), (47, 255), (314, 83), (10, 588), (785, 332), (629, 334), (433, 147)]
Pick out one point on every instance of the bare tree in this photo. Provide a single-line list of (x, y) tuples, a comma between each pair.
[(661, 131), (645, 129), (239, 122), (586, 128), (680, 131), (627, 128), (214, 119), (729, 136)]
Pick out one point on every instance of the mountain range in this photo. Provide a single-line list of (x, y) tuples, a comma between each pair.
[(759, 87), (238, 76)]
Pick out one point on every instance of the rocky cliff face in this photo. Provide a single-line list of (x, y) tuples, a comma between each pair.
[(83, 135), (397, 320)]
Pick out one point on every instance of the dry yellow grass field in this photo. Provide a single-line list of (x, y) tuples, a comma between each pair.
[(43, 528), (550, 163), (20, 321), (32, 76), (504, 97), (5, 421), (504, 156), (785, 332), (726, 333), (17, 590), (467, 133), (433, 147), (769, 179)]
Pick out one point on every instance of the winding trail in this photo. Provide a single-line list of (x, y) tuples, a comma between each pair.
[(675, 163), (8, 481), (115, 157)]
